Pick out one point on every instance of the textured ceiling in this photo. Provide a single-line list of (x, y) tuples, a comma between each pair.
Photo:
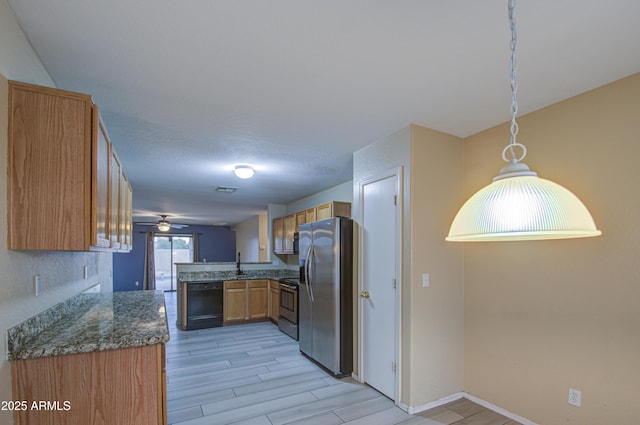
[(189, 88)]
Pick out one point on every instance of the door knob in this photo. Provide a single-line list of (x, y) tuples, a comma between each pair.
[(364, 294)]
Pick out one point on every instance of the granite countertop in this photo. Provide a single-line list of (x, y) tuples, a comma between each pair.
[(198, 276), (92, 322)]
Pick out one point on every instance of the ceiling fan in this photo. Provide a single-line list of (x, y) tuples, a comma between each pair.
[(164, 225)]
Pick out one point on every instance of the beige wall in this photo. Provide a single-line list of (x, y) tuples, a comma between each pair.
[(432, 323), (544, 316), (61, 272), (436, 341), (248, 239)]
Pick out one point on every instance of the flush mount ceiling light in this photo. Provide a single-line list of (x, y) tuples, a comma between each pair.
[(244, 171), (519, 205)]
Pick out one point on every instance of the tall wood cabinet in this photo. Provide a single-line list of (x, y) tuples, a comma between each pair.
[(64, 179)]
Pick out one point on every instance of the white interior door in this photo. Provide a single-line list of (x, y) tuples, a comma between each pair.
[(378, 292)]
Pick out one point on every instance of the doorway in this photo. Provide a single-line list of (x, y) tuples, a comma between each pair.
[(380, 282), (169, 250)]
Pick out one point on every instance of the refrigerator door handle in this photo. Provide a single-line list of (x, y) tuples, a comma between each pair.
[(311, 265), (306, 273)]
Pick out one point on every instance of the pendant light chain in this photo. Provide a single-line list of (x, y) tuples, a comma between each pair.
[(514, 90)]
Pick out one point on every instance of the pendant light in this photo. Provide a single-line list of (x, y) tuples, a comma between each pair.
[(519, 205)]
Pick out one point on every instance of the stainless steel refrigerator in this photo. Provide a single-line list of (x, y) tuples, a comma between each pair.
[(325, 294)]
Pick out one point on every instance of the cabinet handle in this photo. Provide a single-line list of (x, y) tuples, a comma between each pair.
[(364, 294)]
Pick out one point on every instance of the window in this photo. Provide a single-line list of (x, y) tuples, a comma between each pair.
[(168, 250)]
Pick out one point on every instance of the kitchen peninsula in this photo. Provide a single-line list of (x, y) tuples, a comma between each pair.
[(217, 294), (95, 358), (191, 272)]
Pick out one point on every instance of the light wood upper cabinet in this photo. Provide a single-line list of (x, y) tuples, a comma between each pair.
[(61, 171), (283, 230), (310, 215), (100, 236), (115, 174), (333, 209), (125, 213), (301, 218), (289, 230), (284, 227), (277, 229)]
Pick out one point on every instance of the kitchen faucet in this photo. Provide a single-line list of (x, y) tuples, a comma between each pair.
[(238, 271)]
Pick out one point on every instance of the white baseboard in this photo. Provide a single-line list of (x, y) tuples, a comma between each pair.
[(500, 410), (453, 397), (448, 399)]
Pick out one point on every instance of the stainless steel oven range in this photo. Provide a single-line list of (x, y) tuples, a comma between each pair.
[(288, 318)]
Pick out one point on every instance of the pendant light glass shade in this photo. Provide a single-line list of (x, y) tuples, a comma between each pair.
[(522, 207)]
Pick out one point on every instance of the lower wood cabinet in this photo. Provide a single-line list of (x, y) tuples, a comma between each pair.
[(274, 300), (246, 300), (235, 301), (125, 387), (257, 299)]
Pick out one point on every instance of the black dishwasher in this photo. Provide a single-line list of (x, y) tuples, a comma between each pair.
[(200, 304)]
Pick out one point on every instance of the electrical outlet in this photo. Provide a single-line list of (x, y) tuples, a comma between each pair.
[(425, 280), (575, 397)]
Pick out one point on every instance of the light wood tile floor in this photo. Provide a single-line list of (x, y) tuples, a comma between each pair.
[(255, 375)]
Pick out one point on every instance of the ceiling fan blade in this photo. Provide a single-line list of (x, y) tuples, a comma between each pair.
[(179, 226)]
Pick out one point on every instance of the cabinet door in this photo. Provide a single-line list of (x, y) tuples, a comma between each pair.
[(310, 215), (278, 228), (274, 300), (129, 216), (123, 212), (289, 230), (324, 211), (301, 218), (49, 169), (100, 183), (114, 199), (341, 209), (120, 386), (235, 301), (257, 299)]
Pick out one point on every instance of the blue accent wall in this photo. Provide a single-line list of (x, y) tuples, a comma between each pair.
[(216, 244)]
